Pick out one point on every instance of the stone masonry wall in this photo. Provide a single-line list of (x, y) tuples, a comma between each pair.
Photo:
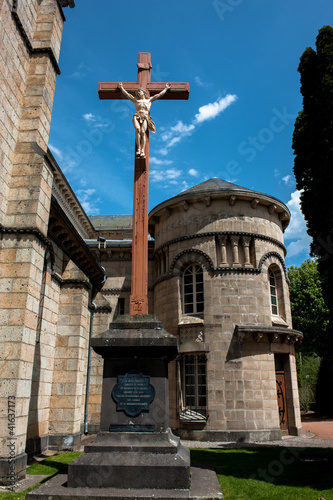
[(70, 365), (27, 85)]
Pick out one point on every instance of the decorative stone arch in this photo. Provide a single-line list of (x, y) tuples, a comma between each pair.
[(271, 258), (189, 256)]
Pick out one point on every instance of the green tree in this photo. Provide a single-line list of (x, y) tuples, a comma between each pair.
[(308, 308)]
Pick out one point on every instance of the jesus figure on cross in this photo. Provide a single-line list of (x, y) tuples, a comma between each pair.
[(141, 118)]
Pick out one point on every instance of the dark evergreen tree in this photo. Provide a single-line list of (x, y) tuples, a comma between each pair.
[(313, 169)]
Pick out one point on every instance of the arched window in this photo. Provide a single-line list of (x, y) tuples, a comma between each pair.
[(193, 292), (273, 292)]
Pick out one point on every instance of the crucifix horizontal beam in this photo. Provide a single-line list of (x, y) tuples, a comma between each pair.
[(178, 91)]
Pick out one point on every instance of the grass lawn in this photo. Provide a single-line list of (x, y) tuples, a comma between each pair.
[(48, 467), (265, 473), (271, 473)]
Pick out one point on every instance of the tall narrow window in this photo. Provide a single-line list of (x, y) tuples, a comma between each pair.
[(194, 397), (273, 292), (193, 293)]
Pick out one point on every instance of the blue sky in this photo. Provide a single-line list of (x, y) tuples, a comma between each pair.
[(240, 58)]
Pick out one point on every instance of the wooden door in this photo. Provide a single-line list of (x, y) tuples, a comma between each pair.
[(282, 401)]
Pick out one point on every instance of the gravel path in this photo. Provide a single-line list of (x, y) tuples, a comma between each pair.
[(316, 433), (287, 442)]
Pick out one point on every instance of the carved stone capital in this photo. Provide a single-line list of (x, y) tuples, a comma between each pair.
[(272, 209), (234, 238), (254, 202), (222, 239), (246, 240)]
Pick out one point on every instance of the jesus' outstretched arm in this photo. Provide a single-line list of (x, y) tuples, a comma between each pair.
[(157, 96), (129, 96)]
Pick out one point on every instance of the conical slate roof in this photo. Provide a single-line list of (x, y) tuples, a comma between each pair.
[(214, 184)]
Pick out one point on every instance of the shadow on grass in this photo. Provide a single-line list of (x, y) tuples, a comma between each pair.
[(56, 464), (295, 467)]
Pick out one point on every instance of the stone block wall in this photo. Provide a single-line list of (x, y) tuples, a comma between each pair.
[(30, 37), (70, 366), (43, 364)]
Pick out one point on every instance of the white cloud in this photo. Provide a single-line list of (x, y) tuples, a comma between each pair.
[(207, 112), (163, 151), (89, 117), (288, 180), (95, 121), (56, 151), (88, 205), (67, 161), (176, 133), (156, 161), (193, 172), (201, 83), (165, 175), (184, 186), (213, 109), (297, 228)]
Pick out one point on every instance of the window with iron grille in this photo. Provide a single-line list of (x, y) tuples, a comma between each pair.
[(192, 290), (194, 391), (273, 292)]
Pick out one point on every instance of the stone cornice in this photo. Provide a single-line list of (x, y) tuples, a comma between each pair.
[(115, 291), (31, 231), (274, 334), (33, 50), (124, 289), (231, 196), (207, 263), (216, 271), (64, 234), (67, 199), (71, 281), (222, 233)]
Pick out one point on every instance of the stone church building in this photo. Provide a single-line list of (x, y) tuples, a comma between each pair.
[(217, 280)]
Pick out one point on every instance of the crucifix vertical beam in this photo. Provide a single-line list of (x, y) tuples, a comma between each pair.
[(139, 275)]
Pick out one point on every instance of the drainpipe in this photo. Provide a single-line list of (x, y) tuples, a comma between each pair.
[(93, 308)]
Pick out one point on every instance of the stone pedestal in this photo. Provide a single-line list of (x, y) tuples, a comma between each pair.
[(135, 455)]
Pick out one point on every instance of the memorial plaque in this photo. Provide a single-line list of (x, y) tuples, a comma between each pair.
[(133, 393)]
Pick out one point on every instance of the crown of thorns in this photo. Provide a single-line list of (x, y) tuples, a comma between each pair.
[(142, 90)]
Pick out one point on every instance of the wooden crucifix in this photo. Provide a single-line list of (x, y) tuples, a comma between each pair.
[(114, 90)]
